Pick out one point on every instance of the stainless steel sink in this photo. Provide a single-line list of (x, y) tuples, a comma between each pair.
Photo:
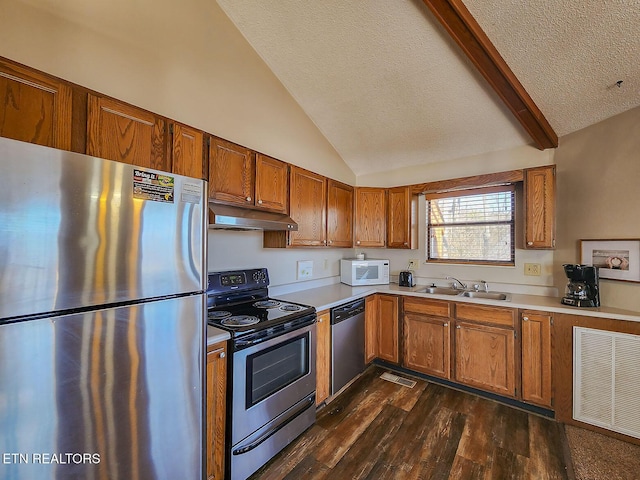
[(441, 290), (487, 295)]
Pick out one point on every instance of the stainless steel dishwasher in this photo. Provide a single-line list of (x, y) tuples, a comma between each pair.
[(347, 343)]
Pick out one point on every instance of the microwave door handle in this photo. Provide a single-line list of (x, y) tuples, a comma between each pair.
[(262, 438)]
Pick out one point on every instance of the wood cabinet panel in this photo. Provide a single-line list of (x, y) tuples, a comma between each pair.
[(427, 306), (426, 345), (231, 173), (370, 217), (186, 151), (401, 218), (308, 206), (388, 328), (482, 313), (216, 409), (272, 184), (34, 107), (485, 357), (323, 356), (121, 132), (539, 194), (536, 358), (339, 214), (370, 328)]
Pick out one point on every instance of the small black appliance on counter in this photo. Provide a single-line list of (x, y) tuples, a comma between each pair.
[(405, 279), (582, 289)]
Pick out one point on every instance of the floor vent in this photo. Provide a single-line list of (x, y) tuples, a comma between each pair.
[(405, 382), (606, 380)]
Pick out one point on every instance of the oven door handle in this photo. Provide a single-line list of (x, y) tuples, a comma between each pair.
[(291, 416)]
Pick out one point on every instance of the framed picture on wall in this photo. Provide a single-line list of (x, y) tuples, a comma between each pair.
[(616, 259)]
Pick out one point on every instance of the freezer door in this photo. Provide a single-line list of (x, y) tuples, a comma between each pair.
[(111, 394), (78, 231)]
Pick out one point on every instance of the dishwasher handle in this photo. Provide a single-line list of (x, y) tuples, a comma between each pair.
[(348, 310)]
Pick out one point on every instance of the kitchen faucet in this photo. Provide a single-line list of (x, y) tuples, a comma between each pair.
[(463, 286), (485, 285)]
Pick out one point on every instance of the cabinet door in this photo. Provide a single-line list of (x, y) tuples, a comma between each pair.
[(401, 218), (231, 173), (427, 343), (388, 348), (121, 132), (339, 214), (370, 217), (323, 357), (539, 193), (484, 357), (216, 409), (186, 151), (308, 207), (536, 358), (370, 328), (272, 184), (34, 107)]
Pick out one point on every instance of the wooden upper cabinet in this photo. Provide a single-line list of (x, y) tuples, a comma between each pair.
[(118, 131), (339, 214), (401, 218), (272, 184), (308, 207), (186, 151), (231, 173), (540, 207), (34, 107), (370, 216), (536, 357)]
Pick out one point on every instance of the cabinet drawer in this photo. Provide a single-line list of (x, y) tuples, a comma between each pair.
[(504, 317), (436, 308)]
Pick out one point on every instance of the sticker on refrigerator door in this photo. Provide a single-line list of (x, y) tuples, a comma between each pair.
[(191, 192), (152, 186)]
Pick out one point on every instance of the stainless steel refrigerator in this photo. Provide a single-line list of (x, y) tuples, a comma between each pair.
[(102, 328)]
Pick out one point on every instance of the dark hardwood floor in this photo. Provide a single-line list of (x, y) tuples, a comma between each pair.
[(379, 430)]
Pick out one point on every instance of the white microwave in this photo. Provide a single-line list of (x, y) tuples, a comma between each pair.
[(364, 272)]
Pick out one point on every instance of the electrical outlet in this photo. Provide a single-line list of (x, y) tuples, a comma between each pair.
[(413, 264), (532, 269)]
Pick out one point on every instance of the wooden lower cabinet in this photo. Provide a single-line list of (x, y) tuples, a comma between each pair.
[(388, 328), (427, 336), (485, 357), (371, 328), (323, 356), (536, 357), (216, 409)]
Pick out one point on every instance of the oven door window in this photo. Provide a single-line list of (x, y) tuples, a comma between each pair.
[(272, 369)]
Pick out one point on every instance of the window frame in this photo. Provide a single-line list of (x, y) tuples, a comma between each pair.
[(510, 187)]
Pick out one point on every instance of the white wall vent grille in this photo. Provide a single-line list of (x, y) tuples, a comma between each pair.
[(606, 380)]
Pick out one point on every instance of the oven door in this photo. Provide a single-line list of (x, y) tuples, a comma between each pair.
[(270, 377)]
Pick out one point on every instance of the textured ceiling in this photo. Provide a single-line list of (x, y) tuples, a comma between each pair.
[(388, 88)]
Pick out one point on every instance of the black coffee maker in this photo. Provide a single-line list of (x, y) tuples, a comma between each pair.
[(582, 289)]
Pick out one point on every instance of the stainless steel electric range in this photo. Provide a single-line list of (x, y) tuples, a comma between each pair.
[(272, 379)]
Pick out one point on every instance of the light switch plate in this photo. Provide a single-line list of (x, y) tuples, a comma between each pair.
[(305, 269)]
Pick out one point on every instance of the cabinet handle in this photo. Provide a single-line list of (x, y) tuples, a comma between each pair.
[(329, 242), (223, 355), (525, 319), (248, 199), (457, 326), (260, 202), (405, 244), (320, 320), (445, 324), (529, 243), (357, 242)]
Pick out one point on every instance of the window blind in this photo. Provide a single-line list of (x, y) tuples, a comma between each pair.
[(474, 226)]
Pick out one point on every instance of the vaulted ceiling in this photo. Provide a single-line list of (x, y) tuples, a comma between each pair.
[(389, 87)]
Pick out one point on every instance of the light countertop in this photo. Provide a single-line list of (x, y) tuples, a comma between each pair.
[(329, 296), (215, 335)]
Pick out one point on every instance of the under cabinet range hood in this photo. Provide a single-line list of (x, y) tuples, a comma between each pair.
[(226, 217)]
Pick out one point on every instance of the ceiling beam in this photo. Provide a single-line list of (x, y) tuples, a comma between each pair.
[(466, 32)]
